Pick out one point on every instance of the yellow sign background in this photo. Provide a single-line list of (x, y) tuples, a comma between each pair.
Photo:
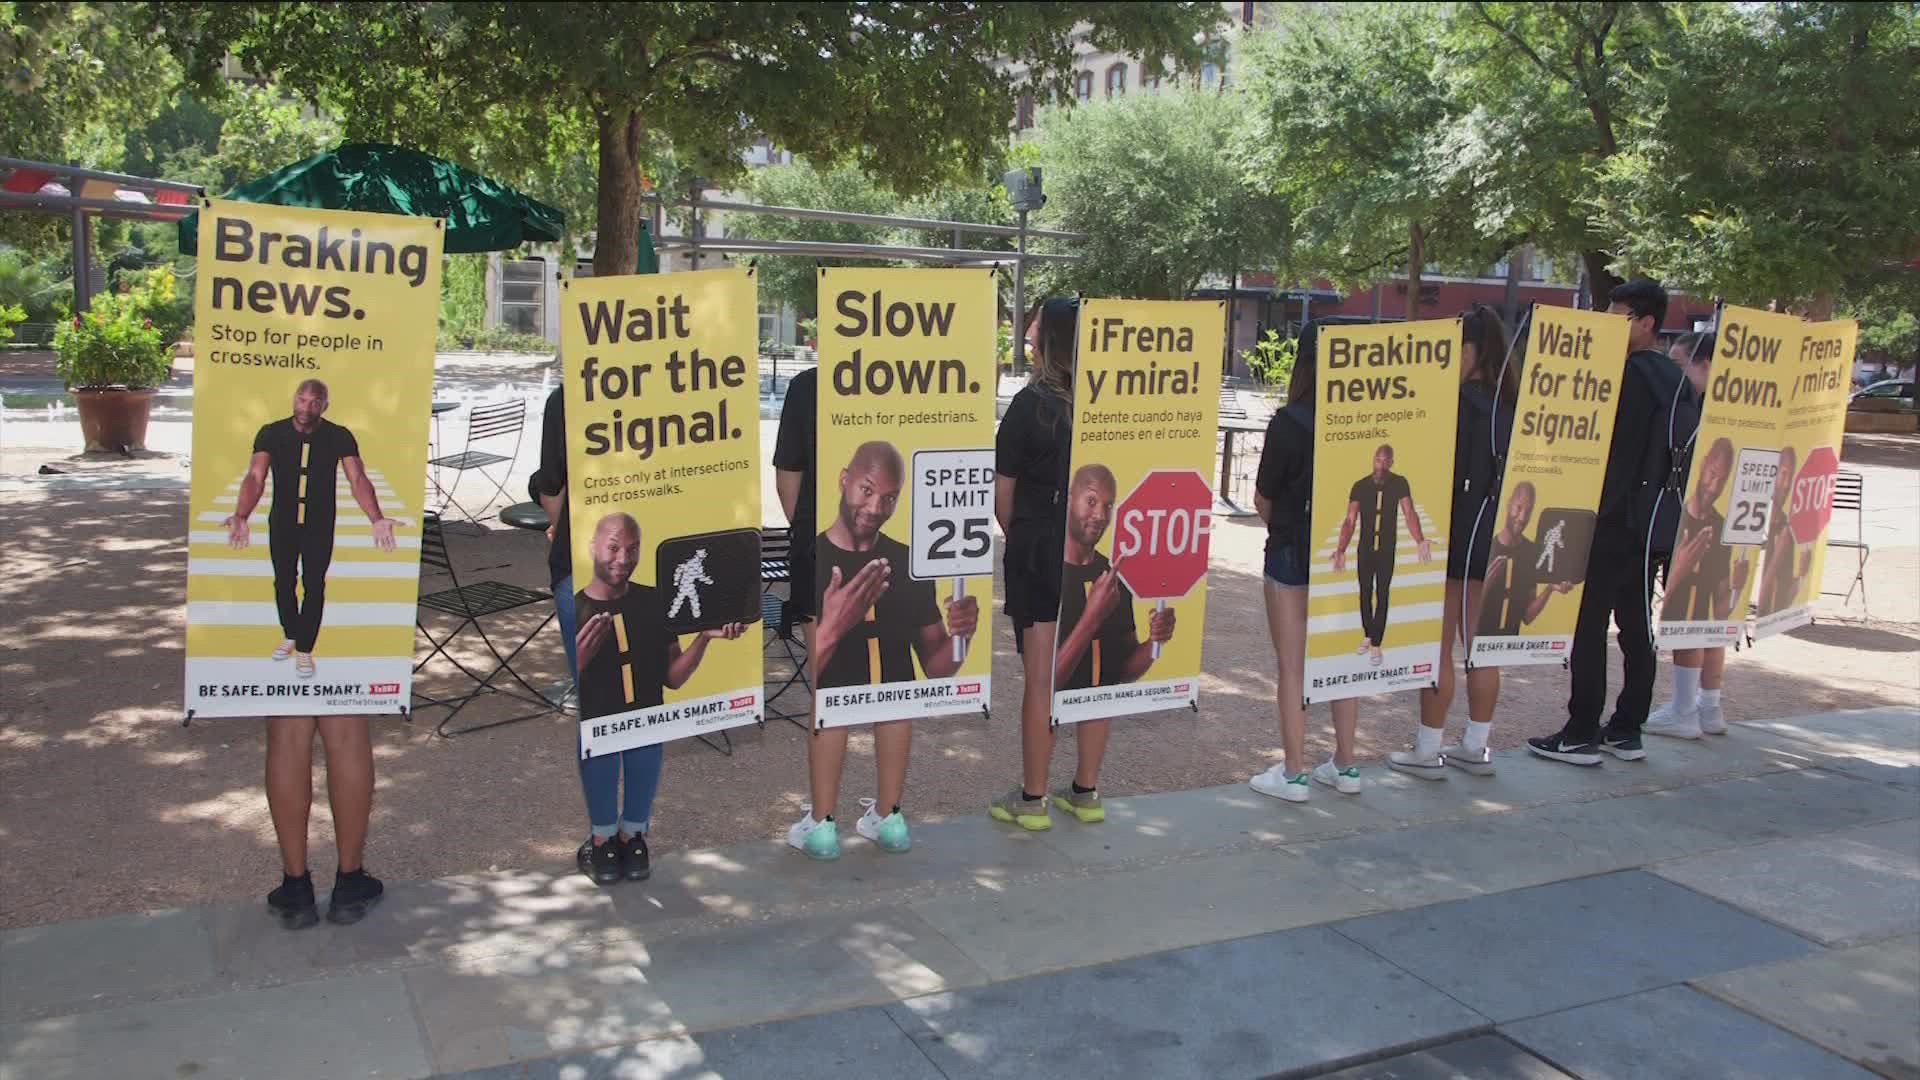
[(1566, 473), (960, 418), (1413, 407), (679, 487), (1133, 435), (375, 353), (1815, 415)]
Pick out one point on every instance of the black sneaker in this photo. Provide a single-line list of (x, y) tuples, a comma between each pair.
[(634, 862), (353, 896), (1624, 747), (600, 862), (292, 903), (1557, 747)]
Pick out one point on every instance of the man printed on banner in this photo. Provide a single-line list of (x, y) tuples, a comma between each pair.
[(1512, 596), (873, 618), (1704, 579), (1099, 641), (1786, 563), (1376, 503)]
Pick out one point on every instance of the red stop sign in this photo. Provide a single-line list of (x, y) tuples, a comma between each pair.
[(1811, 503), (1161, 532)]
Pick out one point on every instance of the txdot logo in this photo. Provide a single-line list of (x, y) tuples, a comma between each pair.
[(383, 688)]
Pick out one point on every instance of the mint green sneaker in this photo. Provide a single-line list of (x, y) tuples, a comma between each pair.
[(889, 832), (816, 839)]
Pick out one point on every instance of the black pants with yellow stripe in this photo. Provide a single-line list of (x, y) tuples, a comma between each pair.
[(301, 553), (1375, 570)]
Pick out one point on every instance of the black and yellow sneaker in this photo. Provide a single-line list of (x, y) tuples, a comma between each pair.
[(292, 903), (635, 864), (353, 896)]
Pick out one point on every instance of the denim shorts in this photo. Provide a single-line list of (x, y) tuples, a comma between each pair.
[(1284, 567)]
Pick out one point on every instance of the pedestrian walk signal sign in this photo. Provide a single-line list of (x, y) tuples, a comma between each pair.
[(708, 580)]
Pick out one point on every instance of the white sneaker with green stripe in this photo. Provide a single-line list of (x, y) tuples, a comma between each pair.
[(1345, 781), (1275, 783)]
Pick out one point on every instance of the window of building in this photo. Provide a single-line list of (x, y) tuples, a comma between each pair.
[(523, 296), (1246, 13), (1116, 80), (1149, 78), (1023, 113), (1083, 86)]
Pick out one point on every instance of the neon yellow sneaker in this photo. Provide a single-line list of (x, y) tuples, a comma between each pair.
[(1085, 807), (1015, 808)]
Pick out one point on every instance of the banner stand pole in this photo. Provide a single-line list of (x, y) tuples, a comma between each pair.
[(959, 643), (188, 722)]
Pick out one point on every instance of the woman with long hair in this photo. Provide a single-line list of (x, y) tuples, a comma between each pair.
[(1031, 457), (1283, 497), (1489, 388)]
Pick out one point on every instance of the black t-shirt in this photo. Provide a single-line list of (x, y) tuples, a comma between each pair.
[(879, 649), (1033, 447), (1100, 665), (1509, 589), (1695, 599), (1379, 512), (1286, 477), (793, 447), (551, 479), (630, 670), (305, 468)]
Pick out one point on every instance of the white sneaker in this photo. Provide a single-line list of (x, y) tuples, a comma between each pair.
[(816, 839), (1712, 720), (889, 831), (1673, 723), (1478, 762), (303, 664), (283, 650), (1277, 784), (1345, 781), (1430, 767)]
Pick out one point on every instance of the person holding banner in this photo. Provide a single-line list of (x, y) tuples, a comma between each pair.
[(1489, 390), (1283, 492), (1655, 420), (1697, 673)]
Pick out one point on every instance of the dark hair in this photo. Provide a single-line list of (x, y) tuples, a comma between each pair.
[(1699, 346), (1481, 327), (1053, 344), (1306, 357), (1643, 297)]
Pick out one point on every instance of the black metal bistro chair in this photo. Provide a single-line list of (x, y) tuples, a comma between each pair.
[(472, 603), (493, 424), (776, 614), (1849, 495)]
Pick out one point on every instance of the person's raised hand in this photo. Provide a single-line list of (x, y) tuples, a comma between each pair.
[(725, 633), (963, 616), (1160, 625), (1104, 594), (239, 535), (846, 600), (592, 636)]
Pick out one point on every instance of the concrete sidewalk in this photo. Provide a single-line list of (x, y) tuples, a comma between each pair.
[(1747, 905)]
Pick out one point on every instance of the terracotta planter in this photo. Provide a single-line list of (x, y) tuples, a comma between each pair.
[(114, 419)]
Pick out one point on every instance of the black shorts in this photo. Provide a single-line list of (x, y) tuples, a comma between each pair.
[(800, 577), (1459, 566), (1033, 594)]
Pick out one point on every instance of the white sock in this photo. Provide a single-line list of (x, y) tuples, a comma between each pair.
[(1476, 736), (1686, 688), (1426, 740), (1709, 699)]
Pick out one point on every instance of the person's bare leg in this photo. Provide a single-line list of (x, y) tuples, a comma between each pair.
[(1036, 707), (349, 747), (1346, 720), (1483, 683), (1091, 736), (290, 786), (1287, 627), (826, 749), (1436, 700), (1689, 658), (891, 743), (1713, 666)]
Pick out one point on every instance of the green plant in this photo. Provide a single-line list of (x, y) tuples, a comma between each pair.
[(808, 328), (155, 295), (1271, 359), (112, 345), (10, 315), (492, 339), (463, 294)]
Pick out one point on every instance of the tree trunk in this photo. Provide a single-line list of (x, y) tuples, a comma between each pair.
[(616, 248), (1820, 308), (1600, 280), (1416, 260)]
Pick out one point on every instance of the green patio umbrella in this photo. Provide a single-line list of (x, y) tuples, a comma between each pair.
[(481, 214)]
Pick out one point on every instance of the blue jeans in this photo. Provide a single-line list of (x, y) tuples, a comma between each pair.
[(600, 776)]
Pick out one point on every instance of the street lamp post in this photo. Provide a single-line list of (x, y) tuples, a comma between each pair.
[(1024, 194)]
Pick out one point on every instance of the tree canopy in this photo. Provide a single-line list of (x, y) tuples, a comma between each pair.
[(911, 93)]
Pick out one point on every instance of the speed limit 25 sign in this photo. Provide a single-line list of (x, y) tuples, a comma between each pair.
[(1752, 497), (952, 514)]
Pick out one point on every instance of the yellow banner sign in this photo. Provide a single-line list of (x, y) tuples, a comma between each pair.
[(1813, 425), (1387, 399), (313, 383), (1133, 586), (663, 432), (907, 374), (1537, 532)]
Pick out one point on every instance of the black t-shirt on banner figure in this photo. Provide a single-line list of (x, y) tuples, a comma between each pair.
[(794, 452), (629, 669), (873, 617), (1097, 641), (1104, 662)]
